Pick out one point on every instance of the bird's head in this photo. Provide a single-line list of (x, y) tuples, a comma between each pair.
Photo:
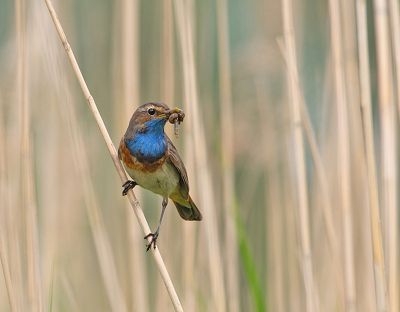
[(149, 117)]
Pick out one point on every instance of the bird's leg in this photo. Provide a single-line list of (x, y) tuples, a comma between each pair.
[(127, 186), (155, 234)]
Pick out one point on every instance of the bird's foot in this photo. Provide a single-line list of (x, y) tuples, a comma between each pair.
[(127, 186), (153, 240)]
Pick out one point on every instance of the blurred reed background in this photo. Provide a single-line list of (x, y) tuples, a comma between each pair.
[(290, 142)]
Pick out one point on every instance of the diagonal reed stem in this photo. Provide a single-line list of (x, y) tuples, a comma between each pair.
[(131, 196)]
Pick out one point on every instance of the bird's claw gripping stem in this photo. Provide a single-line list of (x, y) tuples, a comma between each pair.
[(153, 240), (127, 186)]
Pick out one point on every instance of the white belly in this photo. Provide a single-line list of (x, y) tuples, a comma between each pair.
[(161, 182)]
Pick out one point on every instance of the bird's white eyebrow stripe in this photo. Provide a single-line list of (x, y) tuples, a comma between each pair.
[(157, 108)]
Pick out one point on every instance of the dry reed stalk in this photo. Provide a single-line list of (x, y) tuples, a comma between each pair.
[(4, 201), (32, 231), (388, 148), (97, 226), (273, 192), (131, 98), (382, 303), (200, 152), (168, 73), (7, 277), (101, 240), (189, 236), (4, 196), (4, 210), (130, 57), (395, 32), (294, 280), (343, 155), (15, 222), (131, 196), (33, 236), (227, 150), (27, 179), (167, 83), (394, 215), (300, 169), (139, 291), (168, 95), (189, 278), (333, 237), (363, 255)]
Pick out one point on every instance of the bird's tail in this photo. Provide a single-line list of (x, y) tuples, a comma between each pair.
[(189, 212)]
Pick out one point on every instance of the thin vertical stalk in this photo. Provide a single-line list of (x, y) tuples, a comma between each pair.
[(293, 276), (273, 191), (227, 156), (388, 148), (332, 234), (131, 98), (393, 212), (168, 72), (203, 173), (167, 82), (168, 94), (27, 180), (343, 155), (4, 211), (101, 240), (32, 232), (363, 254), (301, 178), (130, 56), (395, 36), (189, 236), (131, 196), (365, 88), (7, 277), (16, 216), (77, 150)]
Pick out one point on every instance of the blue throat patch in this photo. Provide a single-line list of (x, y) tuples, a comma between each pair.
[(150, 144)]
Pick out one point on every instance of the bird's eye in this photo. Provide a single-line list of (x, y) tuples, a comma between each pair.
[(151, 111)]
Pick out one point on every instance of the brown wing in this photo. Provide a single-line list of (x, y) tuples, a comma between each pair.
[(178, 163)]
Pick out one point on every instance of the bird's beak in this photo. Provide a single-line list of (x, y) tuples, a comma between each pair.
[(165, 116), (167, 113)]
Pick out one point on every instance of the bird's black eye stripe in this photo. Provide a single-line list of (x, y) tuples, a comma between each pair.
[(151, 111)]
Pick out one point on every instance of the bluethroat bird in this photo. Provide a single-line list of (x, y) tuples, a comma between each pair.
[(153, 162)]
